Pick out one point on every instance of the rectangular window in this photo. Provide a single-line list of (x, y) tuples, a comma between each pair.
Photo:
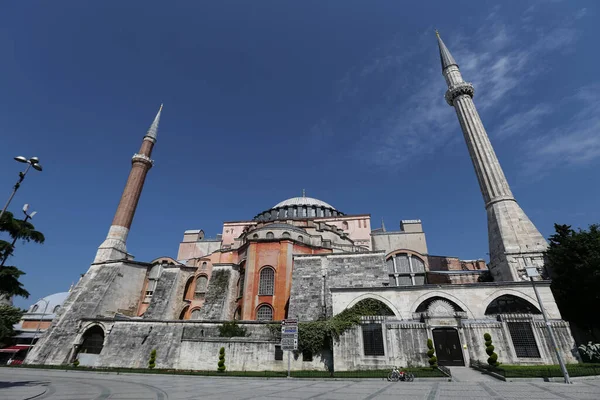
[(307, 355), (278, 353), (523, 339), (372, 340)]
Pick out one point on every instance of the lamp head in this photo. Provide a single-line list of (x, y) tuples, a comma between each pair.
[(34, 160), (36, 166), (32, 214), (21, 159), (25, 208)]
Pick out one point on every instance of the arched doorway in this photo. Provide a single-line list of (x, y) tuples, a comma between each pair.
[(448, 349), (91, 346)]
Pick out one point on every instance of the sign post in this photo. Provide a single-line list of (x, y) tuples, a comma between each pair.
[(289, 338)]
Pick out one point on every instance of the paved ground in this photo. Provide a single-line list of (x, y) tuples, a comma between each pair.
[(20, 384)]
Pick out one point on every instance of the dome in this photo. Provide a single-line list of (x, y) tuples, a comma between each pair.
[(303, 201), (54, 300)]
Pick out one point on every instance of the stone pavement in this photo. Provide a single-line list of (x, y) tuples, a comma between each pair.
[(466, 374), (38, 384)]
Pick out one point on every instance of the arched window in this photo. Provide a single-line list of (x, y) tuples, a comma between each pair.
[(201, 285), (56, 309), (509, 304), (93, 340), (345, 225), (34, 308), (241, 285), (406, 270), (183, 312), (195, 314), (153, 276), (286, 234), (187, 294), (300, 239), (264, 313), (204, 264), (237, 315), (255, 236), (270, 235), (266, 282)]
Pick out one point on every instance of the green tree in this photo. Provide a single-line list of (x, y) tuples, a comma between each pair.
[(221, 364), (17, 230), (9, 316), (152, 360), (431, 354), (573, 260), (489, 349)]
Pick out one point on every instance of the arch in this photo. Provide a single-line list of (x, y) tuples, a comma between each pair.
[(195, 314), (266, 281), (92, 340), (516, 293), (377, 297), (426, 304), (187, 291), (407, 251), (56, 308), (264, 312), (510, 304), (201, 286), (255, 236), (270, 235), (285, 234), (345, 225), (300, 238), (237, 315), (183, 312), (204, 265), (445, 296)]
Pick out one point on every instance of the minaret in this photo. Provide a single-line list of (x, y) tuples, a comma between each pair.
[(114, 247), (513, 239)]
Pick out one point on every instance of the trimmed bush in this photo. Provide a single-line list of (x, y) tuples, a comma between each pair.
[(489, 349), (221, 364), (431, 354), (152, 360), (76, 363)]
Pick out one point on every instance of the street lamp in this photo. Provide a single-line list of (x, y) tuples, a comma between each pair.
[(32, 162), (532, 272), (38, 327), (12, 245)]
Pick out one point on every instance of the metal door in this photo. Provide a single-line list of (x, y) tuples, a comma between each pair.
[(447, 347)]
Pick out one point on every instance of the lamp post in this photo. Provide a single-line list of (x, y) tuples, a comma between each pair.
[(38, 327), (532, 272), (32, 162), (12, 245)]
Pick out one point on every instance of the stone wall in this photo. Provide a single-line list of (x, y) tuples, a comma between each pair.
[(105, 290), (167, 300), (219, 303), (313, 276)]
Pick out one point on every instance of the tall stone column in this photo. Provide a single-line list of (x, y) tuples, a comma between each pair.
[(114, 247), (513, 239)]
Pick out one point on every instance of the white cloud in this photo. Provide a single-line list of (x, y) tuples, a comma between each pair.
[(522, 123)]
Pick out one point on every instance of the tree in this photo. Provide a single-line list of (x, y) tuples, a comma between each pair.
[(489, 349), (9, 275), (431, 354), (152, 360), (9, 316), (573, 260), (221, 364)]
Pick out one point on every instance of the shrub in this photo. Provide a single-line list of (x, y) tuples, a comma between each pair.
[(76, 363), (231, 329), (221, 364), (152, 360), (430, 354), (489, 349)]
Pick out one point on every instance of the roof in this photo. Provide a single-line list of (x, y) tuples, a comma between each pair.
[(303, 201), (445, 56)]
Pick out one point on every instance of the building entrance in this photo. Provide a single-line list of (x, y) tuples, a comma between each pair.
[(447, 347)]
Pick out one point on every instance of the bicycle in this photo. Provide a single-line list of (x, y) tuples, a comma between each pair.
[(397, 375)]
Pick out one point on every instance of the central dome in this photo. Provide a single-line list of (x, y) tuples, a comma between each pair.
[(303, 201)]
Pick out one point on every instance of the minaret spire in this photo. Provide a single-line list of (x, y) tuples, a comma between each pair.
[(513, 239), (114, 247)]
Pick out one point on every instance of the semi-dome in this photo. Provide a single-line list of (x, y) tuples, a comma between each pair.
[(303, 201), (48, 306)]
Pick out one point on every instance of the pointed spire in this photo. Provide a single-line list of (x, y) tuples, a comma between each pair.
[(303, 192), (445, 56), (153, 131), (382, 225)]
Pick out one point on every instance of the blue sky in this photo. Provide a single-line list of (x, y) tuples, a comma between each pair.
[(265, 98)]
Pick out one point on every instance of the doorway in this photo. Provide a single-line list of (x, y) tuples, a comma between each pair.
[(447, 347)]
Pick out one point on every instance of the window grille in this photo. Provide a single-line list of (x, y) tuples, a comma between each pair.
[(372, 340), (264, 313), (278, 353), (267, 282), (402, 263), (195, 314), (93, 341), (404, 280), (417, 264), (523, 339)]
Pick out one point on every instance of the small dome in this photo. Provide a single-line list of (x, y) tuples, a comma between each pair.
[(53, 301), (303, 201)]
